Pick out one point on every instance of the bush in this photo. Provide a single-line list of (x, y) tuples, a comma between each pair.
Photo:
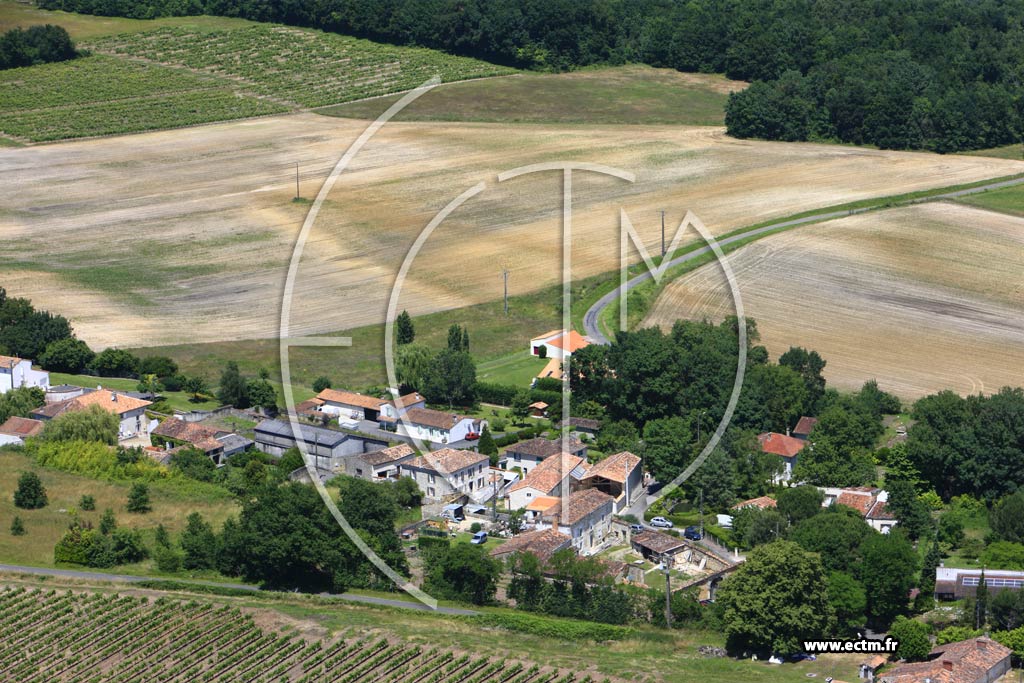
[(167, 560), (475, 527), (87, 502), (501, 394), (320, 383), (116, 363), (30, 494), (552, 627), (138, 499), (93, 459), (17, 527)]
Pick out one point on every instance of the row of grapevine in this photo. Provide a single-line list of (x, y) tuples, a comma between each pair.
[(305, 67), (66, 636)]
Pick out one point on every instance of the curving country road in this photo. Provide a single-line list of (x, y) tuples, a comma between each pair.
[(591, 327), (129, 578)]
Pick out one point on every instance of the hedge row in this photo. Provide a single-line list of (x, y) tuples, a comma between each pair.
[(504, 394), (552, 627)]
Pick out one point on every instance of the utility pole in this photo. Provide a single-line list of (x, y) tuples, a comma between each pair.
[(668, 591), (298, 195), (504, 275), (702, 512), (494, 499), (662, 233)]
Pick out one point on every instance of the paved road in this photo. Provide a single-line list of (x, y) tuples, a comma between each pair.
[(128, 578), (591, 328)]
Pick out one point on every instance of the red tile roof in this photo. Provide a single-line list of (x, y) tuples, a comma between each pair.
[(546, 476), (858, 499), (22, 427), (657, 542), (388, 455), (447, 461), (880, 510), (349, 398), (571, 342), (615, 467), (111, 401), (780, 444), (581, 504), (543, 544), (432, 418), (965, 661), (805, 425), (760, 502)]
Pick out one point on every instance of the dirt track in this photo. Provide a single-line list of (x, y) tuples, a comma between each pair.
[(185, 235), (922, 298)]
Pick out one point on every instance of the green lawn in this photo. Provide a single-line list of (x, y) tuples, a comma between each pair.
[(1006, 200), (84, 26), (1014, 151), (492, 335), (516, 369), (177, 399), (633, 94)]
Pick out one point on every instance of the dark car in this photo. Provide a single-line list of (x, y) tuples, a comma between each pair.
[(636, 528), (692, 533)]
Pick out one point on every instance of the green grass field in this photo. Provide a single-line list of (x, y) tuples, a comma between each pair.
[(633, 94), (517, 369), (492, 335), (1006, 200), (1014, 151), (84, 26), (171, 505)]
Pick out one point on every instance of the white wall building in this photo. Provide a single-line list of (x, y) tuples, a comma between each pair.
[(438, 427), (450, 472), (18, 372)]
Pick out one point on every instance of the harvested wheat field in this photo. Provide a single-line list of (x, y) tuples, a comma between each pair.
[(921, 298), (185, 235)]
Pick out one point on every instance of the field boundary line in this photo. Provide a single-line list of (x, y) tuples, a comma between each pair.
[(594, 323)]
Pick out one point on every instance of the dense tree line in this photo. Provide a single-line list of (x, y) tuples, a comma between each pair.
[(35, 45), (663, 395), (972, 445), (927, 74)]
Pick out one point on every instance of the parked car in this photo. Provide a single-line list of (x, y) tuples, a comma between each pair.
[(479, 538), (692, 533), (802, 656), (661, 523), (636, 528)]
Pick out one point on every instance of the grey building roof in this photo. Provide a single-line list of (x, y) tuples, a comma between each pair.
[(310, 433), (235, 442)]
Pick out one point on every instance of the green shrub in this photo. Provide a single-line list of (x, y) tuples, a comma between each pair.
[(167, 560), (551, 627), (87, 502), (30, 494), (500, 394), (17, 527)]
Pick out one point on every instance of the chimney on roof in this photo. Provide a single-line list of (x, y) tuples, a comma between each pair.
[(982, 643), (787, 431), (947, 665), (113, 397)]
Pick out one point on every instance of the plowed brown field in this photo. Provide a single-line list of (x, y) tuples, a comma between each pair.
[(185, 235), (922, 298)]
